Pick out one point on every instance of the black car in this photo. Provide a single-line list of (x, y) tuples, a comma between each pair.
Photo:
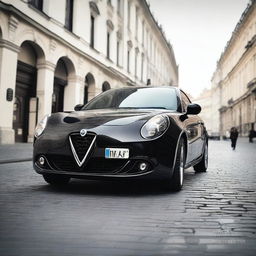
[(123, 133)]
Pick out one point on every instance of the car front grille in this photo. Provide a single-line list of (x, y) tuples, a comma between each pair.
[(94, 165), (81, 144), (64, 163), (102, 165)]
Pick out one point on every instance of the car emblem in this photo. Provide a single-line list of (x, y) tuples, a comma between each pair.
[(83, 132)]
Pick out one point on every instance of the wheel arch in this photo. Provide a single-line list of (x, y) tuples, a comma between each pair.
[(183, 136)]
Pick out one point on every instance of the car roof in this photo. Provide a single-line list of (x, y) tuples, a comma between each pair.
[(143, 87)]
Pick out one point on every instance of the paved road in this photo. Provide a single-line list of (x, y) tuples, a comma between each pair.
[(215, 214)]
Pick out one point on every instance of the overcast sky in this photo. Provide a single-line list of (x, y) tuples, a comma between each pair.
[(198, 31)]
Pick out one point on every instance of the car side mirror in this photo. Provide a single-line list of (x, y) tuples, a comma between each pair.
[(78, 107), (193, 109)]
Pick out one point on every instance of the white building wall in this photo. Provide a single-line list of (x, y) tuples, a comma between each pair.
[(234, 81), (81, 18), (20, 22), (54, 9)]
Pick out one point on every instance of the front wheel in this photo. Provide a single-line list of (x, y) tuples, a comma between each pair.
[(176, 181), (203, 164), (56, 180)]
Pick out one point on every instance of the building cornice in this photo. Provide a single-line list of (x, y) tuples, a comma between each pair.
[(249, 9), (9, 45)]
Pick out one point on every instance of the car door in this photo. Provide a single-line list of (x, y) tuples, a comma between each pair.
[(193, 128)]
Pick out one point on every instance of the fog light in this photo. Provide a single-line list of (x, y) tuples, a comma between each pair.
[(143, 166), (41, 160)]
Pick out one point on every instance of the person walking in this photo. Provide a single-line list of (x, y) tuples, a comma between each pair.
[(252, 134), (233, 137)]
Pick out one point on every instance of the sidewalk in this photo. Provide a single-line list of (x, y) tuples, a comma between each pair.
[(19, 152), (243, 140)]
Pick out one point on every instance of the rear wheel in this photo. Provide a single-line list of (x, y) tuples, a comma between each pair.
[(56, 180), (176, 181), (203, 164)]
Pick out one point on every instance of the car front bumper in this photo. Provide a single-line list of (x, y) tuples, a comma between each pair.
[(158, 155)]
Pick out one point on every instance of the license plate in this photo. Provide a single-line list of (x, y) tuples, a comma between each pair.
[(119, 153)]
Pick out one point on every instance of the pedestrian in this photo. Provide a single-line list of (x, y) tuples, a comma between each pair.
[(233, 137), (252, 134)]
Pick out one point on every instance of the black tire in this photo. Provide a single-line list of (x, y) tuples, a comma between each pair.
[(56, 180), (203, 164), (176, 181)]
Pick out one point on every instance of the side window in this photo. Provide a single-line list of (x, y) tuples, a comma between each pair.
[(184, 101)]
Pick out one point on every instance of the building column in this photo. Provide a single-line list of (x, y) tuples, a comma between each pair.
[(72, 92), (8, 70), (42, 104), (45, 81)]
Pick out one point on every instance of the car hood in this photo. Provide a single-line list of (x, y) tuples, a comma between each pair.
[(106, 117)]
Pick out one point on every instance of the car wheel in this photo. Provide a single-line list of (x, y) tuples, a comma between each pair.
[(56, 180), (203, 164), (177, 178)]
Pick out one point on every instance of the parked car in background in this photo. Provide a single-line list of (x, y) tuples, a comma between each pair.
[(124, 133)]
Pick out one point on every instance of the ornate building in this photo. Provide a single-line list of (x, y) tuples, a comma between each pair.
[(56, 54), (234, 81), (204, 100)]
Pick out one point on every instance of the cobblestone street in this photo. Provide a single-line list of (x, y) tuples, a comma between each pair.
[(214, 214)]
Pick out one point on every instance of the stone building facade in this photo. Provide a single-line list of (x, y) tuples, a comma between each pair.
[(205, 101), (56, 54), (234, 80)]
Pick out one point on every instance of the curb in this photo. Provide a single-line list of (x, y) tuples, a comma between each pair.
[(15, 161)]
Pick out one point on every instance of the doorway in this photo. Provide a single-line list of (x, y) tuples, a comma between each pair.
[(25, 89)]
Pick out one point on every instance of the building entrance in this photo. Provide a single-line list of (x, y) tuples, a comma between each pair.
[(25, 89)]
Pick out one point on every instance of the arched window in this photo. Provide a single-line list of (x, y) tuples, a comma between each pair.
[(69, 15), (89, 87), (136, 62), (92, 32), (38, 4), (105, 86), (128, 59), (118, 47), (129, 14), (129, 47), (94, 13), (136, 21), (142, 67), (110, 28)]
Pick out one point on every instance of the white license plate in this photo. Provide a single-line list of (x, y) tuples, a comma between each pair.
[(121, 153)]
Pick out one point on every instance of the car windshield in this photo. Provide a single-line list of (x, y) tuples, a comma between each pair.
[(138, 98)]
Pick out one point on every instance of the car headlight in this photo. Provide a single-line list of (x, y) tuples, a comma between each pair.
[(41, 126), (155, 127)]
